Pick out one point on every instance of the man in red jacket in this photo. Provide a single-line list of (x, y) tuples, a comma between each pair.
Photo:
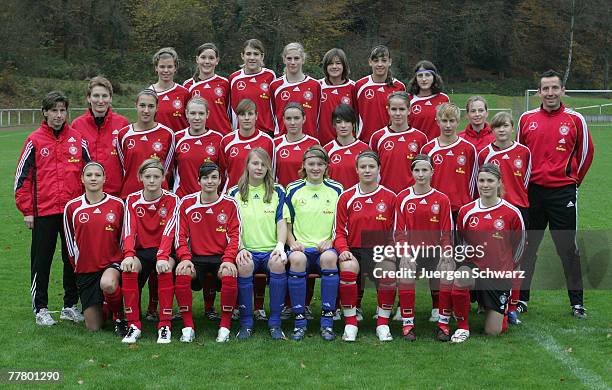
[(561, 153), (99, 126), (48, 176)]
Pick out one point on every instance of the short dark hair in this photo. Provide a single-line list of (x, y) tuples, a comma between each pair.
[(344, 112), (206, 168), (52, 99), (551, 73)]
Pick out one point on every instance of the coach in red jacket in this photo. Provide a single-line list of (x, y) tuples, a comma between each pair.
[(99, 126), (561, 153), (48, 176)]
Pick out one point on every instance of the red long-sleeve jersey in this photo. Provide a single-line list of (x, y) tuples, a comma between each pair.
[(560, 145), (371, 101), (204, 229), (423, 113), (216, 91), (358, 213), (146, 220), (423, 218), (134, 147), (331, 97), (234, 150), (480, 139), (498, 230), (93, 233), (190, 152), (306, 92), (257, 88), (101, 144), (396, 151), (342, 166), (515, 166), (288, 156), (171, 105), (49, 170), (455, 170)]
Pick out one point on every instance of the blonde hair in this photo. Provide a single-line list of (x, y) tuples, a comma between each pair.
[(268, 181), (151, 163), (500, 119), (448, 110), (314, 151), (246, 105), (197, 100), (99, 81), (474, 99), (166, 52), (293, 46), (493, 170)]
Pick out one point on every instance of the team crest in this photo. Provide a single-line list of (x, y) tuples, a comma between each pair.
[(564, 130), (73, 150), (503, 299), (498, 224), (381, 207), (157, 146), (219, 91), (345, 100), (210, 149), (413, 147), (461, 160), (495, 162), (308, 95), (163, 212), (177, 104), (196, 92), (222, 218), (264, 87), (110, 217), (435, 208), (518, 163)]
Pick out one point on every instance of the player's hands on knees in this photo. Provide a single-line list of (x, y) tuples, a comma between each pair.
[(324, 245), (29, 221), (297, 246), (244, 258), (128, 264), (185, 267), (346, 256), (446, 264), (229, 268), (279, 251), (163, 266)]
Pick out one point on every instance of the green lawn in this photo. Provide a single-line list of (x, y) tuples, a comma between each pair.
[(550, 350)]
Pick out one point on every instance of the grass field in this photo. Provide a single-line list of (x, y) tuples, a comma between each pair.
[(550, 350)]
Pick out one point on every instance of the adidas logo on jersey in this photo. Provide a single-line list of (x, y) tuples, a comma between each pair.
[(198, 142), (506, 157), (297, 147), (209, 211), (71, 139), (428, 103), (369, 200), (144, 138), (423, 201), (450, 153), (248, 146), (256, 196), (401, 139), (315, 196), (381, 89), (97, 211), (488, 216), (348, 151), (296, 89), (335, 91), (207, 86), (562, 141), (152, 207), (570, 204), (252, 80), (165, 97)]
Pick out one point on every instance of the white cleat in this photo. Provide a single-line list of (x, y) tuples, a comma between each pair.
[(260, 315), (384, 333), (350, 333), (71, 314), (398, 315), (132, 335), (188, 335), (460, 336), (43, 317), (435, 315), (223, 335), (164, 335), (337, 315)]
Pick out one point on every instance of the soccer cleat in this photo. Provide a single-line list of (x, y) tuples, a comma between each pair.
[(408, 333), (244, 333), (579, 311), (435, 315), (277, 333), (479, 310), (398, 315), (460, 336), (260, 315), (71, 314), (298, 334), (513, 318), (43, 317), (152, 316), (384, 333), (164, 335), (236, 315), (286, 313), (337, 315), (442, 334), (308, 313), (121, 328), (176, 316), (359, 314), (328, 334), (223, 335), (187, 335), (212, 315), (132, 335), (350, 333), (521, 307)]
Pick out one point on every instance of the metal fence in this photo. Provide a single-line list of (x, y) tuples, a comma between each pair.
[(13, 117)]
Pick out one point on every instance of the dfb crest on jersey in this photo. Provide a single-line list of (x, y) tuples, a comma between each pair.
[(413, 147), (438, 159), (381, 207), (110, 217), (196, 92), (308, 95), (222, 218), (210, 149), (184, 148), (44, 152), (345, 100), (177, 104), (473, 221), (73, 150), (495, 162), (357, 206), (499, 224), (157, 146), (564, 130), (163, 212), (219, 91), (518, 163), (461, 160), (234, 151), (435, 208), (264, 87), (503, 299)]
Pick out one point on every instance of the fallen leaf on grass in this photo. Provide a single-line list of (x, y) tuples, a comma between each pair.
[(246, 377), (133, 347), (302, 365), (154, 356), (91, 360), (80, 381), (608, 336), (569, 350)]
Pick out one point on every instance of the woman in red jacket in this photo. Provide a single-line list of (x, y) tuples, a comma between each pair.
[(477, 132), (99, 126)]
